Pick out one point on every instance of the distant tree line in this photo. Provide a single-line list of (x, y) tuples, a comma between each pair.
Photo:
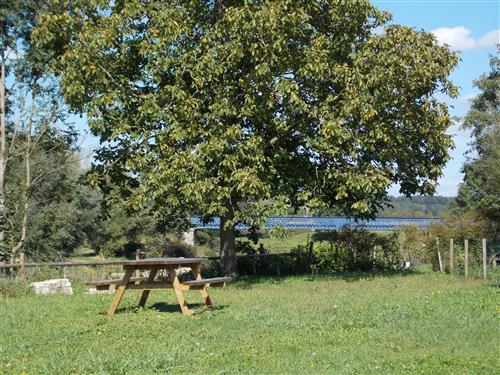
[(418, 206)]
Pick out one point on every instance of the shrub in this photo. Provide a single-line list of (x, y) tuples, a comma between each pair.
[(208, 238), (352, 250)]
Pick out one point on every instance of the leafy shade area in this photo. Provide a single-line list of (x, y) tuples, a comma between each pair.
[(422, 323)]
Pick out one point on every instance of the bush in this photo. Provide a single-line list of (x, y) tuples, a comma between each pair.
[(423, 243), (208, 238), (352, 250)]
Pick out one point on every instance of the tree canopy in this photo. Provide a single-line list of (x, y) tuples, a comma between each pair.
[(480, 191), (239, 109)]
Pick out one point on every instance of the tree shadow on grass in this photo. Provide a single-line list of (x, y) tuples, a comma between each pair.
[(247, 282), (354, 276), (197, 308)]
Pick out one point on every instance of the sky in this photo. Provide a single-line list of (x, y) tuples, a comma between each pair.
[(470, 27)]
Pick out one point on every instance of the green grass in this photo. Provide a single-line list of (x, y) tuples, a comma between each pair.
[(284, 245), (421, 323)]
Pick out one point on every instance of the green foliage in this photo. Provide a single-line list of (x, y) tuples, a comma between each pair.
[(123, 234), (420, 323), (54, 224), (242, 109), (278, 233), (208, 238), (179, 249), (423, 245), (411, 238), (480, 191), (352, 250), (39, 167)]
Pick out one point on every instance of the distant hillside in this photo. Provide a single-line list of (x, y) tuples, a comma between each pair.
[(418, 206)]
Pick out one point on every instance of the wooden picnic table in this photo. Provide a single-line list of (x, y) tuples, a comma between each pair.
[(170, 265)]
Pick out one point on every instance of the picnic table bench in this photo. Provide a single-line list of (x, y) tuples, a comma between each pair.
[(111, 284), (170, 265)]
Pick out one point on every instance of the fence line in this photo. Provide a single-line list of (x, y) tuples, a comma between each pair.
[(22, 265), (482, 260)]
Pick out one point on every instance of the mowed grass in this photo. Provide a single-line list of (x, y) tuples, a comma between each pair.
[(420, 323)]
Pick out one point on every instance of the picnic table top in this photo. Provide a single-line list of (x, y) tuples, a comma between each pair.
[(165, 261)]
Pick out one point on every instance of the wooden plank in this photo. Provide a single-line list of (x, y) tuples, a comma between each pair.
[(119, 292), (165, 285), (124, 262), (145, 293), (165, 262), (178, 292), (203, 291), (215, 280), (114, 281), (65, 264), (439, 256)]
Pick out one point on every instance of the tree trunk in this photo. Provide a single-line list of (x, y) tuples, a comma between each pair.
[(218, 8), (2, 151), (227, 246), (27, 185), (227, 233)]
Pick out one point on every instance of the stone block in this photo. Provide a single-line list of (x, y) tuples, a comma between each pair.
[(62, 286)]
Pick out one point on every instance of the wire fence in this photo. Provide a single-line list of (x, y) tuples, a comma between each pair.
[(469, 258)]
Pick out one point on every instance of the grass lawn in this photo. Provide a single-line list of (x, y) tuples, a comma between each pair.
[(288, 243), (422, 323)]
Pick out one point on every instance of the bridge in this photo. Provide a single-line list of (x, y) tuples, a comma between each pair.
[(326, 223)]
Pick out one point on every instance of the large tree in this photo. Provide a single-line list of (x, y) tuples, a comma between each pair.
[(236, 109), (480, 191)]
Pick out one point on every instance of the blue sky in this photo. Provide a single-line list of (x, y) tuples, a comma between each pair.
[(470, 27)]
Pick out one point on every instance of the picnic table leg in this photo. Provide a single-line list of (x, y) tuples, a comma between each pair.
[(120, 291), (204, 294), (145, 293), (178, 292)]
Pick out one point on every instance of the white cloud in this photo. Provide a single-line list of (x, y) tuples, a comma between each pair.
[(459, 38), (489, 40)]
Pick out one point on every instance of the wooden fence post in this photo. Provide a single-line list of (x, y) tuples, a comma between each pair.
[(439, 256), (65, 272), (451, 256), (466, 257), (137, 272), (374, 261), (21, 269), (485, 259)]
